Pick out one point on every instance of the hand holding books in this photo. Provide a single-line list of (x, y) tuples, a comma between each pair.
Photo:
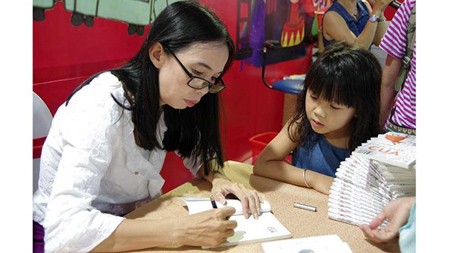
[(397, 213)]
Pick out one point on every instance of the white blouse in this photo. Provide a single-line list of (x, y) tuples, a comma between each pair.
[(92, 171)]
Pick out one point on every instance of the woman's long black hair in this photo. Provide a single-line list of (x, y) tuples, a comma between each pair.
[(347, 75), (192, 131)]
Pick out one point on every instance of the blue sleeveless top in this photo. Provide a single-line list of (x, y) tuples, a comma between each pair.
[(356, 26), (322, 157)]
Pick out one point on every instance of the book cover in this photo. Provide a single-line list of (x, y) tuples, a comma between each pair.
[(391, 148), (267, 227)]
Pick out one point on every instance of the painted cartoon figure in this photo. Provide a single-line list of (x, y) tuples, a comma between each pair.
[(294, 29), (136, 13)]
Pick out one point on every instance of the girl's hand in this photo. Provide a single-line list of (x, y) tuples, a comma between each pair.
[(251, 201), (209, 228)]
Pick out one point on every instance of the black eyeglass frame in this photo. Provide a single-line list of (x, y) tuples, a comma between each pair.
[(212, 87)]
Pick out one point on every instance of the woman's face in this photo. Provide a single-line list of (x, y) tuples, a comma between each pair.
[(205, 60)]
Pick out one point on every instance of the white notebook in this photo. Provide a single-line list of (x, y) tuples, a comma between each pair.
[(267, 227)]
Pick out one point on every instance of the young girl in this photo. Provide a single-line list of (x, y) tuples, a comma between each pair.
[(103, 155), (337, 111)]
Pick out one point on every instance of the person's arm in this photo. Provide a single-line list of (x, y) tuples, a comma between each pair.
[(222, 186), (210, 228), (396, 213), (335, 28), (387, 94), (378, 9), (381, 30), (270, 163)]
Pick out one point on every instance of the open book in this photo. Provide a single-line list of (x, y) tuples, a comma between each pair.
[(267, 227)]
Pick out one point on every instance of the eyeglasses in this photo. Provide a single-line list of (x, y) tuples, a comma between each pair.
[(198, 83)]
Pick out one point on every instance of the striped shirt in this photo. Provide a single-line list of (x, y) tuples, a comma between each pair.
[(394, 43)]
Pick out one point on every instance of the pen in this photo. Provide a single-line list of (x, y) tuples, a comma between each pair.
[(305, 207), (213, 202)]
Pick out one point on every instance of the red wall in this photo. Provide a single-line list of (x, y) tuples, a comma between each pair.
[(64, 55)]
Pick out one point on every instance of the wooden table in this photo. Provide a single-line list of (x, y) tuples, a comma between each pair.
[(281, 197)]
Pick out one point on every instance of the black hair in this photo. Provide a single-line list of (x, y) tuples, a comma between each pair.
[(347, 75), (192, 131)]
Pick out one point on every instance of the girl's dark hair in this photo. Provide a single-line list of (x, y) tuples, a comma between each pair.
[(193, 131), (347, 75)]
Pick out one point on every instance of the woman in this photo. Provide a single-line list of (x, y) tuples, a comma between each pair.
[(355, 22), (108, 142)]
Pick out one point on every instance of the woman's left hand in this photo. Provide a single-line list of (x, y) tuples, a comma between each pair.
[(251, 201)]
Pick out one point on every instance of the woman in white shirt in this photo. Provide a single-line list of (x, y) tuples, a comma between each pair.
[(103, 155)]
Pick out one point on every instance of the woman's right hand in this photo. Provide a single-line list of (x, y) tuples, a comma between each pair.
[(396, 213), (209, 228)]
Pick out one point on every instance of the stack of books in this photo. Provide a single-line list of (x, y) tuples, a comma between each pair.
[(380, 170)]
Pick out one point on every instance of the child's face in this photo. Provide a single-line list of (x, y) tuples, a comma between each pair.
[(328, 118)]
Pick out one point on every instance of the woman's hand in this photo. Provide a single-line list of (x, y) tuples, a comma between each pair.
[(379, 6), (396, 213), (251, 201), (209, 228)]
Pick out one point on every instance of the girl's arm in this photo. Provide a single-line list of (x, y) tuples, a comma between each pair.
[(270, 163)]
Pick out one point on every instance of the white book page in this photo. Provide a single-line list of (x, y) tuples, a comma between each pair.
[(197, 205), (267, 227)]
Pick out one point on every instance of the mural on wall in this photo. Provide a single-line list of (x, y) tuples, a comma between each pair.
[(284, 26), (136, 13)]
